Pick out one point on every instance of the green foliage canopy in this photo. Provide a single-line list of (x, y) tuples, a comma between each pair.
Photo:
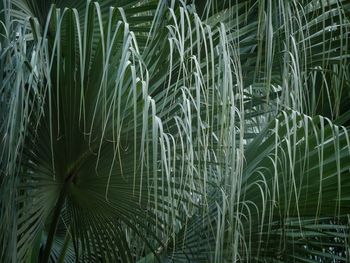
[(171, 131)]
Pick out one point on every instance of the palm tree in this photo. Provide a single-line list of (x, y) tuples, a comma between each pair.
[(173, 131)]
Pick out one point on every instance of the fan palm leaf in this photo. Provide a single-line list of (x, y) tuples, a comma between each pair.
[(174, 132)]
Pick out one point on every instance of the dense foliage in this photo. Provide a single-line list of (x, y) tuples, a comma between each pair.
[(174, 131)]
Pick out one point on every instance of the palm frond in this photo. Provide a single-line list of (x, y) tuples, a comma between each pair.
[(141, 131)]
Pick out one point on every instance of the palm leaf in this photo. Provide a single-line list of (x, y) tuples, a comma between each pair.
[(172, 131)]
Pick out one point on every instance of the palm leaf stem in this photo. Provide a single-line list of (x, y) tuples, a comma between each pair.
[(56, 215)]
